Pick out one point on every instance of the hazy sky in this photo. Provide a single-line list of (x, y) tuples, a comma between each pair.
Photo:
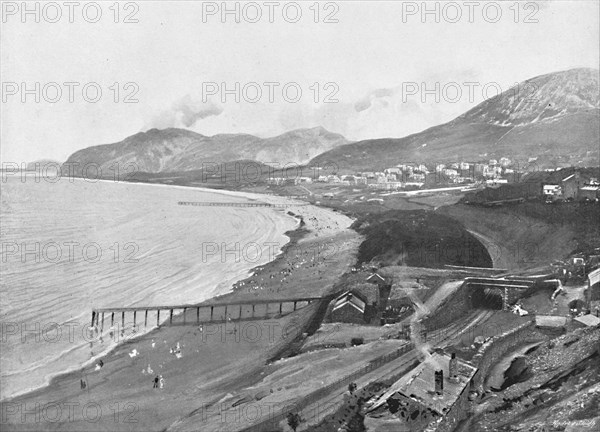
[(371, 65)]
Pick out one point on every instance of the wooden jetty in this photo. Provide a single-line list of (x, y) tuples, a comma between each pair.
[(237, 204), (205, 312)]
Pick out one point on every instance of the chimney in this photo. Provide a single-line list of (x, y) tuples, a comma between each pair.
[(383, 295), (453, 368), (439, 382)]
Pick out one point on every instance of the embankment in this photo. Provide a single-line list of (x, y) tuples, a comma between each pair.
[(418, 238), (454, 307), (530, 234), (496, 347)]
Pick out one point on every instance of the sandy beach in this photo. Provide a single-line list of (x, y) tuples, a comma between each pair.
[(122, 245), (156, 381)]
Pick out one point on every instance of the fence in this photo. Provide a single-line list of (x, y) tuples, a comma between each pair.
[(320, 393)]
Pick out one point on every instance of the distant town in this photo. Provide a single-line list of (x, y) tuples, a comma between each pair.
[(455, 175)]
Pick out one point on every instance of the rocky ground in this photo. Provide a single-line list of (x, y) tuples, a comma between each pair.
[(562, 393)]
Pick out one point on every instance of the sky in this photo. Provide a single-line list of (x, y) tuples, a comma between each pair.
[(364, 69)]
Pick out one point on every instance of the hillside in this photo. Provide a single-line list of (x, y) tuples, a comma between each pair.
[(42, 164), (555, 117), (531, 234), (180, 150), (418, 238)]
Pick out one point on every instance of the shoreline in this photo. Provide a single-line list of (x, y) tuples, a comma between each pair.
[(305, 232), (248, 273), (131, 339)]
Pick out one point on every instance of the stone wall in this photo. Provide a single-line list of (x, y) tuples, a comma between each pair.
[(491, 351)]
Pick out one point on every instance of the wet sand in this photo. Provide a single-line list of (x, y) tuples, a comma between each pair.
[(202, 367)]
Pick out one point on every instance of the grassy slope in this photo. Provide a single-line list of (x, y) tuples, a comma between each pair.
[(573, 138), (419, 239)]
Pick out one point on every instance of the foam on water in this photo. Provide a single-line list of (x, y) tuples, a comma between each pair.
[(153, 252)]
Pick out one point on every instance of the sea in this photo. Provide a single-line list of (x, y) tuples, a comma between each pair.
[(71, 245)]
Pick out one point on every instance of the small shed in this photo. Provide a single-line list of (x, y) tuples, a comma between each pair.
[(553, 325), (588, 320), (550, 321), (350, 307), (589, 193), (376, 278), (572, 184)]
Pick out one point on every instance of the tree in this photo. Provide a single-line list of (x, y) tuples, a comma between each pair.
[(293, 420)]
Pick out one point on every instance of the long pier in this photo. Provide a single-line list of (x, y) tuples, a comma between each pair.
[(205, 313), (230, 204)]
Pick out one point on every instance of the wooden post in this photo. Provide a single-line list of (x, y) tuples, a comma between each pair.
[(198, 314), (158, 317), (171, 317), (253, 310), (295, 305), (134, 318), (112, 319), (146, 318), (97, 318), (225, 313), (184, 311), (93, 317), (102, 327), (123, 321), (280, 308), (240, 311), (211, 312)]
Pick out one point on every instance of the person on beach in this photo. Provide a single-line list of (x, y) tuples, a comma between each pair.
[(156, 378)]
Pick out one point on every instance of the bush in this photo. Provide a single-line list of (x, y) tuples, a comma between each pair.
[(357, 341)]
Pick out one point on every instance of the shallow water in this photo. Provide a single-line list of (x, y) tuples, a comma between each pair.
[(70, 246)]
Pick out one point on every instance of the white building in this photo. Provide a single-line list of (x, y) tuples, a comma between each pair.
[(552, 190), (450, 172)]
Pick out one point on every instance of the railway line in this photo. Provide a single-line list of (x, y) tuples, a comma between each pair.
[(313, 409)]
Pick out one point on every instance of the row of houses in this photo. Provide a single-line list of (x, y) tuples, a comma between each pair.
[(282, 181)]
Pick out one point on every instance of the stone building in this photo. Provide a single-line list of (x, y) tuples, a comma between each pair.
[(592, 292), (571, 185), (431, 397)]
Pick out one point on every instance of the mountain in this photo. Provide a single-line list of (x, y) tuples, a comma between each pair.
[(553, 117), (43, 164), (180, 150)]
